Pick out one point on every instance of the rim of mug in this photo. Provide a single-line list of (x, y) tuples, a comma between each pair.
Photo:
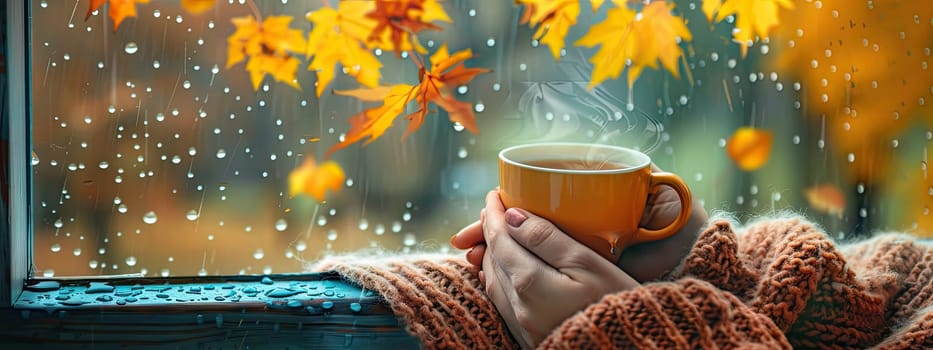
[(643, 159)]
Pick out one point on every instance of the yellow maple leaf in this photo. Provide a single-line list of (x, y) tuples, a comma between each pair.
[(337, 36), (269, 46), (642, 39), (710, 7), (754, 18), (119, 9), (553, 18), (313, 180), (197, 7)]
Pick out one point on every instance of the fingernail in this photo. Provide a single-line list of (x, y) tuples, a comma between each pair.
[(514, 218), (482, 277), (453, 238)]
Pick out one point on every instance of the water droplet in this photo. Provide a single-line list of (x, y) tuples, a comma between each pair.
[(150, 217), (156, 64), (58, 223), (130, 261), (851, 157), (176, 160), (76, 252), (409, 240), (281, 225), (92, 264), (56, 248), (491, 42), (43, 4), (379, 230), (122, 208), (192, 215), (462, 153), (259, 254), (301, 246), (221, 153), (396, 226), (364, 224), (479, 107), (331, 235), (683, 100), (131, 47)]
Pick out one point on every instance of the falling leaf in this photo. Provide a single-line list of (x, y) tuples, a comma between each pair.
[(749, 148), (119, 9), (269, 46), (447, 71), (642, 39), (826, 198), (313, 180), (754, 18), (197, 7), (399, 21), (338, 36), (553, 19)]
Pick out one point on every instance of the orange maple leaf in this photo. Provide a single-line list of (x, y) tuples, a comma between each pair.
[(197, 6), (553, 18), (826, 198), (119, 9), (398, 22), (269, 46), (749, 147), (436, 85), (313, 180)]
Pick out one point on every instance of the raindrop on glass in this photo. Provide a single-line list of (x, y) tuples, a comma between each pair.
[(281, 225), (221, 153), (130, 261), (150, 217), (192, 215), (462, 153), (364, 224), (259, 254), (56, 248), (131, 48)]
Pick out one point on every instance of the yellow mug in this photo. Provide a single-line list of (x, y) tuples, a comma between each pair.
[(595, 193)]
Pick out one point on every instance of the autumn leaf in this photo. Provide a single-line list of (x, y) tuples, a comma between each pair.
[(269, 46), (313, 180), (337, 37), (642, 39), (710, 7), (826, 198), (435, 86), (197, 7), (119, 9), (754, 18), (749, 148), (399, 21), (553, 19)]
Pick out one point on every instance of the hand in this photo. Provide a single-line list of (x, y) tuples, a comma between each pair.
[(536, 275), (646, 261)]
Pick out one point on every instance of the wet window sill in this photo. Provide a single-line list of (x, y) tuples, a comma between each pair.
[(316, 311)]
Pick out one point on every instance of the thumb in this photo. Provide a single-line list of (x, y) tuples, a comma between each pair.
[(548, 242)]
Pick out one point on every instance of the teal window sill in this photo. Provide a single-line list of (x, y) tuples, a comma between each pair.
[(295, 311)]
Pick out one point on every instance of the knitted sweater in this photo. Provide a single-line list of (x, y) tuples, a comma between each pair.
[(777, 284)]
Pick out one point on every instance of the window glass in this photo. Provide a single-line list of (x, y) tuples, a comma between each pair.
[(156, 152)]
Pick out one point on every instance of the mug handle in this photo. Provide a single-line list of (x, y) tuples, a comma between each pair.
[(664, 178)]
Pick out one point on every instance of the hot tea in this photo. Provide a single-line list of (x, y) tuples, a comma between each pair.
[(576, 164)]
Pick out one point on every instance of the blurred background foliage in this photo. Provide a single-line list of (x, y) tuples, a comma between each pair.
[(150, 157)]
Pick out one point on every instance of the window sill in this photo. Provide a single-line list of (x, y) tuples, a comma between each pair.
[(317, 311)]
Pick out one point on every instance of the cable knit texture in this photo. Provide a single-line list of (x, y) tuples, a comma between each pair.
[(776, 284)]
